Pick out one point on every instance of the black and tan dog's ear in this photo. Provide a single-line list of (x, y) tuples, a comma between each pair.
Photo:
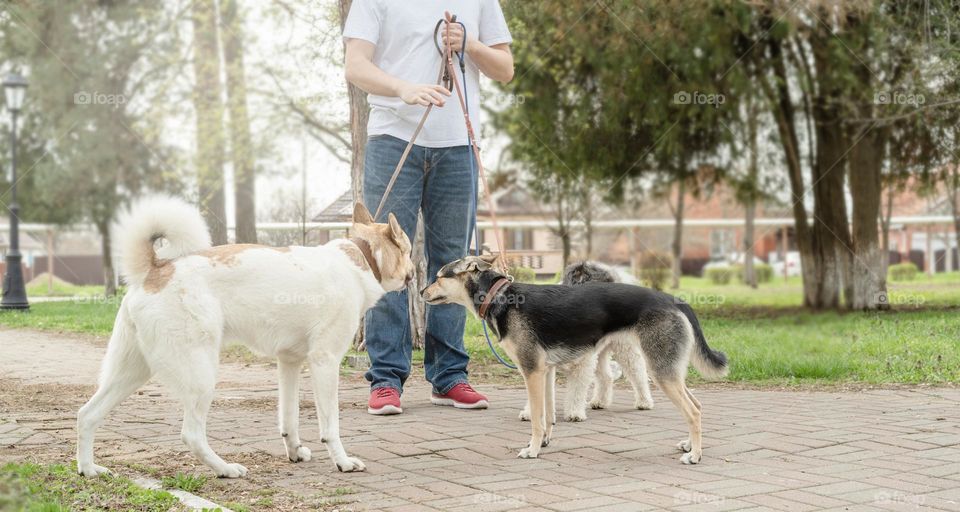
[(361, 215), (395, 231), (479, 264), (489, 258)]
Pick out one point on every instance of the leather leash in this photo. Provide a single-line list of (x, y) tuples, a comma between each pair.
[(447, 71)]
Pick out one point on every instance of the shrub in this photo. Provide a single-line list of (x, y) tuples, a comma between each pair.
[(523, 274), (720, 275), (655, 269), (763, 272), (903, 271)]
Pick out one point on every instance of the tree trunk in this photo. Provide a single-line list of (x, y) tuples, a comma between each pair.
[(359, 114), (885, 227), (588, 220), (417, 307), (784, 113), (749, 273), (678, 234), (563, 224), (106, 246), (953, 195), (831, 231), (240, 141), (867, 272), (209, 107)]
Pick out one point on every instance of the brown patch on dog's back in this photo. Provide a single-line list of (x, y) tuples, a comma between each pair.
[(355, 254), (227, 254), (159, 276), (163, 270)]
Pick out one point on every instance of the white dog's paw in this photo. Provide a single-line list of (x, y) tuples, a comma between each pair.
[(350, 465), (528, 453), (684, 446), (644, 404), (599, 403), (525, 414), (233, 471), (575, 416), (690, 458), (302, 455), (94, 470)]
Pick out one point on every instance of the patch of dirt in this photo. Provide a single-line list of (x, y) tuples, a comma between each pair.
[(33, 398), (256, 490)]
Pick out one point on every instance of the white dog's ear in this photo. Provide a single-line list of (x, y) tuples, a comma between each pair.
[(395, 231), (361, 215)]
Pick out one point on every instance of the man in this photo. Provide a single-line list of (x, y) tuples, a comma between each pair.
[(390, 53)]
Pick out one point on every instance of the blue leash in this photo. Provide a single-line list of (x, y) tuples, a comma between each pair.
[(473, 174)]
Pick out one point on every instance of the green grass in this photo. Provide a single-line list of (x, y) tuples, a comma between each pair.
[(918, 346), (88, 316), (184, 482), (62, 289), (57, 487), (769, 338)]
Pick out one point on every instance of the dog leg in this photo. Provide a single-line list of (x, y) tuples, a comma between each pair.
[(636, 369), (550, 395), (194, 380), (124, 370), (603, 389), (581, 374), (525, 412), (676, 391), (325, 375), (289, 409), (535, 382)]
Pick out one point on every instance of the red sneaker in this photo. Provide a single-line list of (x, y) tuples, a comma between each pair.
[(384, 401), (461, 396)]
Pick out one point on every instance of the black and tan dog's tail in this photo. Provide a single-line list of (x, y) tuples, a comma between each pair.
[(712, 364)]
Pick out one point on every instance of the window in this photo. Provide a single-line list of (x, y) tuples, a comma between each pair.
[(721, 244), (519, 239)]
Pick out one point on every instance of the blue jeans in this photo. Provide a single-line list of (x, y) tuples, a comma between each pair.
[(440, 181)]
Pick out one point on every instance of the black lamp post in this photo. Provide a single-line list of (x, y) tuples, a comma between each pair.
[(14, 292)]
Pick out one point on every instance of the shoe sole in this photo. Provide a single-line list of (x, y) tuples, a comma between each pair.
[(482, 404), (386, 410)]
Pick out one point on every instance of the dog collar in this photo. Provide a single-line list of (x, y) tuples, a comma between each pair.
[(491, 293), (364, 247)]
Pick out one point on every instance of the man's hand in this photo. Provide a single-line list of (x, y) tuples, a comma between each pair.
[(422, 94), (453, 32)]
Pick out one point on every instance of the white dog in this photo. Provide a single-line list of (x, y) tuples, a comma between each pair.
[(185, 298)]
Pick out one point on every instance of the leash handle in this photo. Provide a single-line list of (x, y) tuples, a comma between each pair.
[(472, 140), (406, 151)]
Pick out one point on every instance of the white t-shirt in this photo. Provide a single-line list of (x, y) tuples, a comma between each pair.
[(403, 34)]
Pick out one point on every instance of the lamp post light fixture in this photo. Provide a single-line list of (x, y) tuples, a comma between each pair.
[(14, 291)]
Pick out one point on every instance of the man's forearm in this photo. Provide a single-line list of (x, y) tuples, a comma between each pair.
[(367, 76), (494, 61)]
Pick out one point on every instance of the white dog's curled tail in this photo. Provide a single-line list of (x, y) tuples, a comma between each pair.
[(153, 218)]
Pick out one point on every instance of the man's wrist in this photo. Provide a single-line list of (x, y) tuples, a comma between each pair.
[(473, 46), (397, 87)]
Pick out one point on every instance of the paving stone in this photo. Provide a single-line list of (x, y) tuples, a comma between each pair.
[(763, 450)]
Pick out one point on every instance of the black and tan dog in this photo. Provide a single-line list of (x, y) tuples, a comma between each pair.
[(542, 326)]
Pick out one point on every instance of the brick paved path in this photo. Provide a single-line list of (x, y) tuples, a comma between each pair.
[(764, 450)]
